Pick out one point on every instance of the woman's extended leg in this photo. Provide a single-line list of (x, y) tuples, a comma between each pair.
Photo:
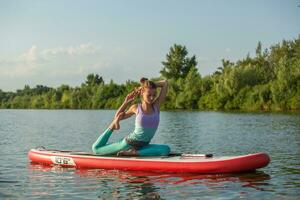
[(100, 147), (102, 139), (154, 150)]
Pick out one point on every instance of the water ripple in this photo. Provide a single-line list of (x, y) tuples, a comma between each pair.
[(196, 132)]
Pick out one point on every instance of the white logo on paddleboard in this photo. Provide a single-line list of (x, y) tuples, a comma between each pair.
[(59, 160)]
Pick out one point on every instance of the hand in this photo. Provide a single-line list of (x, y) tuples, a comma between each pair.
[(131, 96)]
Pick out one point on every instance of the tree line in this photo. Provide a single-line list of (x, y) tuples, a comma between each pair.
[(269, 81)]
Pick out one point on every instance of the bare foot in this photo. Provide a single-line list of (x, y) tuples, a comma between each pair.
[(130, 152), (115, 125)]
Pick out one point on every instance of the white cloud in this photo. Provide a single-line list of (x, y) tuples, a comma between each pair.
[(30, 55), (82, 49), (23, 65), (53, 61)]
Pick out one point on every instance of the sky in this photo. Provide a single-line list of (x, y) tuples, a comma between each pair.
[(55, 42)]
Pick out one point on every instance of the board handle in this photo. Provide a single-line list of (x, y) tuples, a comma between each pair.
[(209, 155)]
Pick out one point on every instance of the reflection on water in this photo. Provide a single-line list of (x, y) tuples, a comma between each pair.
[(137, 184)]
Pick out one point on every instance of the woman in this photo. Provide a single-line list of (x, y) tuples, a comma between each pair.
[(146, 123)]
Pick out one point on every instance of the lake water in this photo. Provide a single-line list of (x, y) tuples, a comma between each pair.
[(194, 132)]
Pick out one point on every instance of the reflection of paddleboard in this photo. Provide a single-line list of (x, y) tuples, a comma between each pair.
[(173, 163)]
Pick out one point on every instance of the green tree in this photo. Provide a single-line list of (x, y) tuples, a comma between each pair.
[(94, 79), (258, 50), (177, 64), (191, 90)]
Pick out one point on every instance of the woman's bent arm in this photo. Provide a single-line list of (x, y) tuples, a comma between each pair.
[(129, 98), (122, 108), (163, 92)]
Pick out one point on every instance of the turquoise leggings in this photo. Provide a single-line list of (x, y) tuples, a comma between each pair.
[(100, 147)]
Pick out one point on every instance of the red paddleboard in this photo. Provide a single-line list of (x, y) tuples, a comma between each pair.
[(184, 163)]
